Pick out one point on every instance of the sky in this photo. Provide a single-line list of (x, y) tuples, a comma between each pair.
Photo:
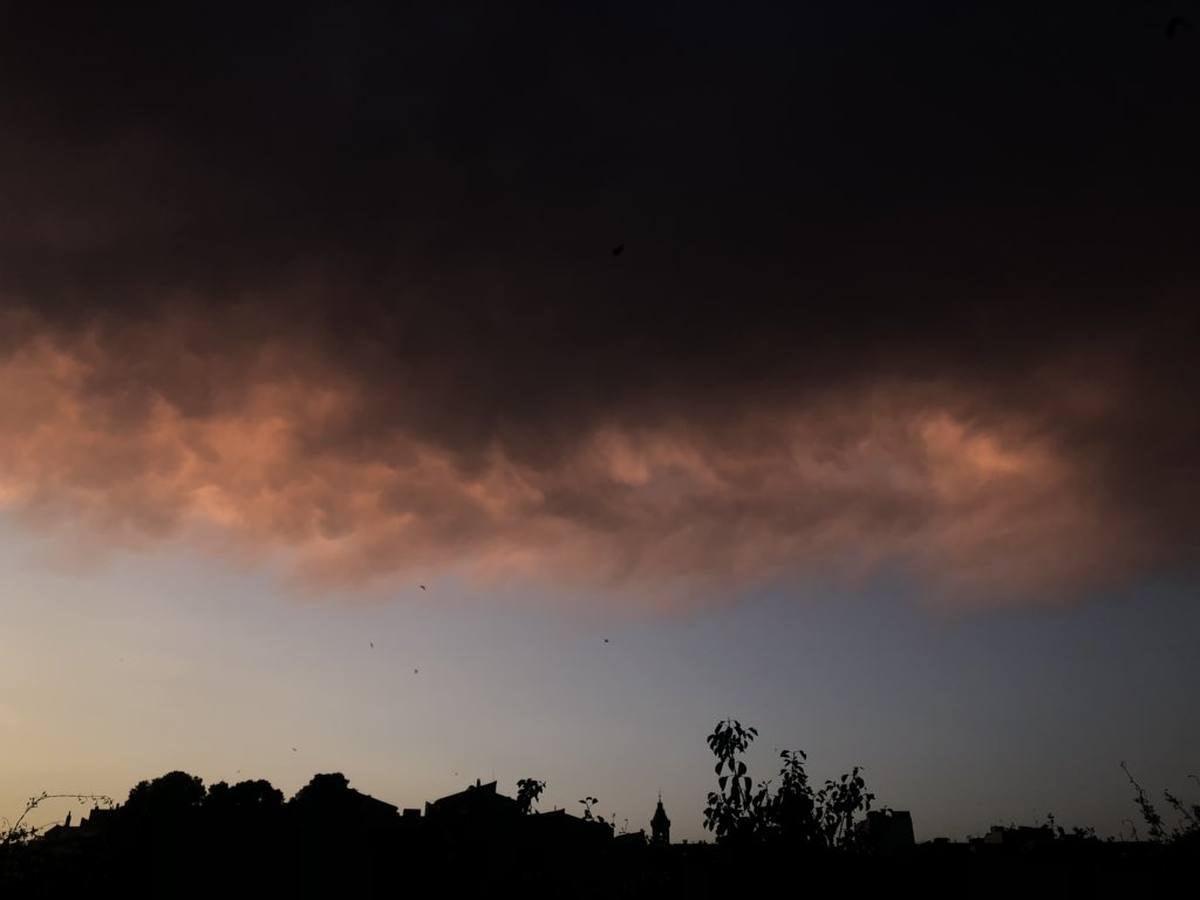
[(836, 365)]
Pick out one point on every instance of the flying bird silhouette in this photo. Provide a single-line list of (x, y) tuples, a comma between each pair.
[(415, 671), (293, 749), (618, 250), (606, 640), (372, 643), (421, 586)]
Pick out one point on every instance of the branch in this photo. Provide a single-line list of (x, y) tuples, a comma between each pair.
[(15, 831)]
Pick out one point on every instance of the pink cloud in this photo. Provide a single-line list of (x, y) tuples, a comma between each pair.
[(280, 458)]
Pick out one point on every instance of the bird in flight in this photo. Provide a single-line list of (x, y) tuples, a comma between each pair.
[(421, 586), (415, 671), (618, 250), (372, 643), (606, 640), (293, 749)]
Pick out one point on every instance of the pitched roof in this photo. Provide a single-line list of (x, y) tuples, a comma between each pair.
[(475, 799)]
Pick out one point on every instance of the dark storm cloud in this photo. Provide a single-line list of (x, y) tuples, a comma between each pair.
[(898, 285)]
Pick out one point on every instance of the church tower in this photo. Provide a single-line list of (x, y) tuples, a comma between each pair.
[(660, 825)]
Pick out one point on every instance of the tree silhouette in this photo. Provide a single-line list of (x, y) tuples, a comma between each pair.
[(792, 807), (1187, 829), (322, 789), (836, 806), (528, 791), (166, 798), (795, 813), (245, 796), (732, 812), (1150, 815)]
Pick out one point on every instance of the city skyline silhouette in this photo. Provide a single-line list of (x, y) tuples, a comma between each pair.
[(437, 392)]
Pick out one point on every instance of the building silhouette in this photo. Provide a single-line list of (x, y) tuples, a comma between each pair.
[(478, 803), (887, 830), (332, 840), (660, 825)]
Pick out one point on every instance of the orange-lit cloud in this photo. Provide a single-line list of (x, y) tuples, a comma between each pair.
[(280, 452), (342, 296)]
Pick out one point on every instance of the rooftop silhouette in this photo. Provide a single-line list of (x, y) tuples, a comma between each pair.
[(172, 834)]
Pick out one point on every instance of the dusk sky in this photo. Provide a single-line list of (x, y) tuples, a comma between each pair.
[(611, 370)]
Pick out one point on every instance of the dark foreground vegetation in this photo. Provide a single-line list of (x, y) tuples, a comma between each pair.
[(174, 837)]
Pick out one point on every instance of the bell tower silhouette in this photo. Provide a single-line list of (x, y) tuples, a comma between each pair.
[(660, 825)]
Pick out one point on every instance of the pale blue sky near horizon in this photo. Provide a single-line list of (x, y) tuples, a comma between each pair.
[(146, 662)]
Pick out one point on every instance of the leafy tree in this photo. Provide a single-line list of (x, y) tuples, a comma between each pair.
[(836, 805), (256, 794), (322, 790), (733, 812), (169, 796), (793, 806), (326, 804), (528, 791), (795, 813), (244, 798)]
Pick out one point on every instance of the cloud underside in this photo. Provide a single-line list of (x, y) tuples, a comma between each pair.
[(336, 289), (271, 447)]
